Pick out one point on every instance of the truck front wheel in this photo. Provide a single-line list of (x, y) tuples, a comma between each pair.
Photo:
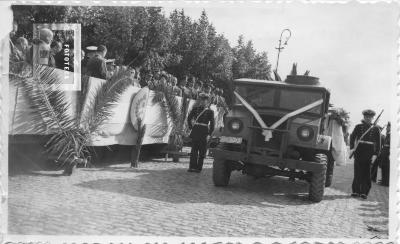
[(317, 181), (221, 172)]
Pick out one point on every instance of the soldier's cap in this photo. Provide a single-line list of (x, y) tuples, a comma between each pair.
[(203, 96), (368, 112), (91, 48)]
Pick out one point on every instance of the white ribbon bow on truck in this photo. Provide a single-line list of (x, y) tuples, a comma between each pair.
[(267, 133)]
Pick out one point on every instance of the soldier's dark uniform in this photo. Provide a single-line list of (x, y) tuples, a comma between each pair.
[(367, 147), (374, 168), (203, 127), (384, 159)]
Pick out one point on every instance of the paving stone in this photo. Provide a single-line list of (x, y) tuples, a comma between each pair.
[(163, 199)]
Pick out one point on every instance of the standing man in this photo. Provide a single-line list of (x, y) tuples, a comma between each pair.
[(41, 47), (201, 123), (197, 89), (190, 86), (19, 52), (376, 164), (175, 89), (183, 87), (365, 154), (96, 66), (55, 48), (385, 157)]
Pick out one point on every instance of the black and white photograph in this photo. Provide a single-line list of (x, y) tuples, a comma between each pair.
[(205, 120)]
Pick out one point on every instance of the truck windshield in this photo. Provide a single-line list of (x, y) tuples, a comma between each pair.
[(279, 98), (294, 99), (257, 96)]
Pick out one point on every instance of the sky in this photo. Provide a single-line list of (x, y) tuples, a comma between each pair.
[(352, 48)]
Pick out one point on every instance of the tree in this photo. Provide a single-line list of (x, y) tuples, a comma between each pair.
[(143, 37), (248, 63)]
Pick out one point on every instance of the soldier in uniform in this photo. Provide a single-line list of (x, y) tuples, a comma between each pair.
[(365, 154), (201, 123), (384, 157)]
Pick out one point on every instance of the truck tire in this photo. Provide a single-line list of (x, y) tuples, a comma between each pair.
[(221, 172), (329, 170), (317, 181)]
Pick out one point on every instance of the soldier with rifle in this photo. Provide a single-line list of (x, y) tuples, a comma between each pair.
[(364, 145)]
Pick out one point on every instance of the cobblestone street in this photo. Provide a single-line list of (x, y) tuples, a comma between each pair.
[(161, 198)]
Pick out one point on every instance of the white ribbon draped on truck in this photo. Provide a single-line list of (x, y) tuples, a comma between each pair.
[(267, 133)]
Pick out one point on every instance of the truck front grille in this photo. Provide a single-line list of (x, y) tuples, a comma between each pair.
[(258, 139)]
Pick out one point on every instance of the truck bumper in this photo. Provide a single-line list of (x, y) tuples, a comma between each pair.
[(267, 160)]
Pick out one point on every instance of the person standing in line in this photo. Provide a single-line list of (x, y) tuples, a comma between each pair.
[(375, 165), (183, 86), (201, 123), (19, 52), (190, 86), (41, 47), (384, 158), (365, 154), (176, 91), (55, 48), (132, 77), (197, 89)]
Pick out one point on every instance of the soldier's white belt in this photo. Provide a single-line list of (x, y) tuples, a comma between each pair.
[(366, 142), (202, 124)]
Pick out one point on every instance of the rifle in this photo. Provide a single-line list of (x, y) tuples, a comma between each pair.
[(365, 133)]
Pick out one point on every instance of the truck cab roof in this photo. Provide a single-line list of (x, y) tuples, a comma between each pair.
[(281, 84)]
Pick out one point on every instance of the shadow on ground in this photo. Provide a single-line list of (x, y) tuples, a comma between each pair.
[(178, 186), (27, 156)]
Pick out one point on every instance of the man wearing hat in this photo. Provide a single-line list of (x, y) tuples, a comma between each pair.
[(96, 66), (368, 137), (201, 123)]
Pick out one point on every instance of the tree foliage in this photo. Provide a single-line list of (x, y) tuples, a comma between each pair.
[(249, 63), (145, 38)]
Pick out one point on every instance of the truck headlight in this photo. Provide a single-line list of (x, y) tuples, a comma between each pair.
[(305, 133), (235, 125)]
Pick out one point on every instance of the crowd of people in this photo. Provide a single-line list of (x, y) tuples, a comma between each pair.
[(190, 88), (45, 50)]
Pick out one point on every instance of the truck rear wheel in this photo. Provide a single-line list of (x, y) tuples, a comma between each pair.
[(317, 182), (221, 172)]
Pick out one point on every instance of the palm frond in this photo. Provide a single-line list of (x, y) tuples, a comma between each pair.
[(49, 102), (174, 111), (82, 96), (294, 69), (99, 109)]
